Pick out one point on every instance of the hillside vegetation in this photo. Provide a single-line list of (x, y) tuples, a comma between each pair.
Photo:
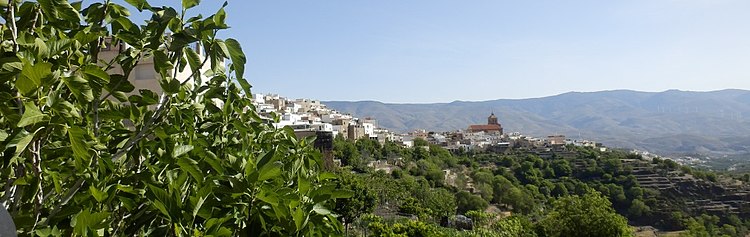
[(426, 191)]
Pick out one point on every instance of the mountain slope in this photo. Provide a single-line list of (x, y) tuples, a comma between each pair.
[(667, 122)]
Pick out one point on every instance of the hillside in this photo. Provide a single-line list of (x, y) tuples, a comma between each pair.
[(665, 122)]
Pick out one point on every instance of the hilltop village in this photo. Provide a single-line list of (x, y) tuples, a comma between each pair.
[(695, 191), (308, 116)]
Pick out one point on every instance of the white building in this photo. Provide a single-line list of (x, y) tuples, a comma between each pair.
[(144, 76)]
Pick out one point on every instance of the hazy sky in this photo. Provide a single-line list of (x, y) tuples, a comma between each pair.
[(441, 51)]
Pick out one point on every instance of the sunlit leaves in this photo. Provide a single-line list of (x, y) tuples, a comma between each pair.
[(21, 141), (77, 138), (60, 10), (181, 150), (31, 115), (187, 4), (31, 76), (79, 87), (139, 4), (95, 73), (87, 223), (193, 159), (9, 66), (193, 59)]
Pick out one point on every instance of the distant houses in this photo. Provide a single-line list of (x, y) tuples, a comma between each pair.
[(308, 117)]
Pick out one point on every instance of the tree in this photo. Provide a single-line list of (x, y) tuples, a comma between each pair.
[(420, 142), (466, 201), (84, 153), (363, 199), (347, 152), (588, 215), (440, 202), (638, 208), (559, 190), (562, 168)]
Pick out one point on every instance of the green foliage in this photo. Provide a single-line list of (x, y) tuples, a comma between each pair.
[(409, 228), (708, 225), (420, 142), (638, 208), (363, 200), (87, 155), (470, 202), (347, 152), (587, 215), (523, 183)]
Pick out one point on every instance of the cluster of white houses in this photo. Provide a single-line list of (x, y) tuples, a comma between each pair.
[(311, 116)]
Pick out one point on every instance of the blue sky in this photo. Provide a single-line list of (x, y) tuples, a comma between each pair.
[(441, 51)]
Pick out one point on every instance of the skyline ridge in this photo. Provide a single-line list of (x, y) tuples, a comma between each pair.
[(531, 98)]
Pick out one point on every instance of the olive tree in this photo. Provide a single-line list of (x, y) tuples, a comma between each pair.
[(85, 153)]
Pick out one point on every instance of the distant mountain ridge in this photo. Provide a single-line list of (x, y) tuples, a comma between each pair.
[(667, 122)]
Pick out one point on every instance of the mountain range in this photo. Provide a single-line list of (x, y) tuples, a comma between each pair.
[(669, 122)]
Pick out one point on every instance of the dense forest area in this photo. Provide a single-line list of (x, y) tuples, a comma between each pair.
[(427, 190)]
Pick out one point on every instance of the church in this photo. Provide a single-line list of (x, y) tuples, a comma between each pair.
[(492, 126)]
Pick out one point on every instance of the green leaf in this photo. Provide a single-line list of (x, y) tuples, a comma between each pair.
[(31, 76), (182, 39), (170, 85), (139, 4), (299, 218), (161, 63), (127, 189), (266, 157), (98, 195), (96, 72), (198, 206), (79, 87), (191, 167), (245, 86), (21, 141), (45, 232), (181, 150), (59, 46), (78, 143), (118, 82), (40, 48), (164, 202), (3, 135), (85, 221), (187, 4), (194, 60), (269, 171), (10, 65), (31, 115), (237, 57), (66, 11), (303, 184), (214, 162), (271, 198), (320, 209), (60, 10), (220, 17)]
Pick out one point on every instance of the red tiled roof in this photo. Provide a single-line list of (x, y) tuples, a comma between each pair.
[(485, 127)]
